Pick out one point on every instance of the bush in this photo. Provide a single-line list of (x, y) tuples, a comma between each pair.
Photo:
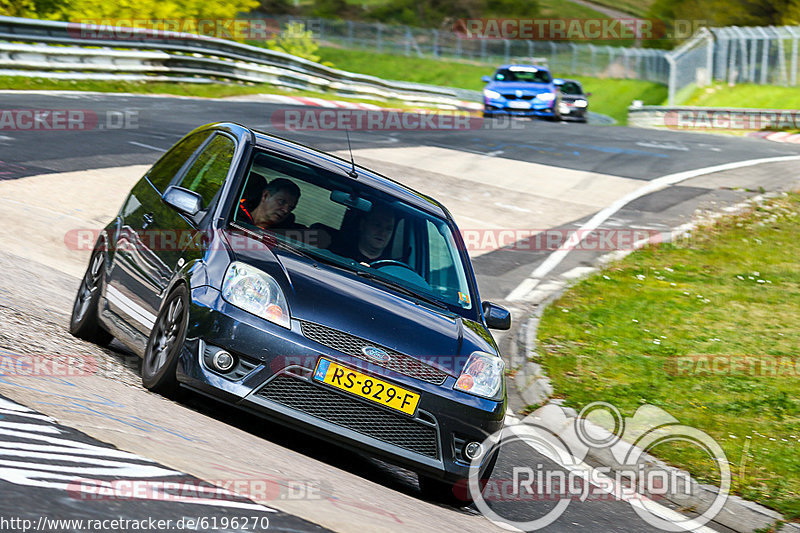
[(295, 40)]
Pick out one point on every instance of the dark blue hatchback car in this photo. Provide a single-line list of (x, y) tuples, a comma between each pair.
[(283, 280), (522, 90)]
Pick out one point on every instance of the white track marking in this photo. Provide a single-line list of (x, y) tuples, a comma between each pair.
[(554, 259)]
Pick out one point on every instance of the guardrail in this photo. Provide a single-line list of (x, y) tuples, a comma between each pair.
[(145, 55), (712, 118)]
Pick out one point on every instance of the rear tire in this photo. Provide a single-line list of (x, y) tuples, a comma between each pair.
[(165, 343), (83, 322)]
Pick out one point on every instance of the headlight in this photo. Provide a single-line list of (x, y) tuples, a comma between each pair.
[(482, 375), (546, 97), (580, 103), (488, 93), (256, 292)]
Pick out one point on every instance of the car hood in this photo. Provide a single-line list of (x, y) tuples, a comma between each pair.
[(525, 87), (572, 97), (336, 298)]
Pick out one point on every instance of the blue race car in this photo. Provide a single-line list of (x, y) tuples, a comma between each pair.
[(523, 90)]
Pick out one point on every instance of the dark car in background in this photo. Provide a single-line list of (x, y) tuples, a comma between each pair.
[(574, 102), (390, 356), (521, 90)]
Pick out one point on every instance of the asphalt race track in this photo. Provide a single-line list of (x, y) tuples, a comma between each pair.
[(58, 430)]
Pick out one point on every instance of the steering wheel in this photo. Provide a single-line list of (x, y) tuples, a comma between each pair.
[(406, 272), (390, 262)]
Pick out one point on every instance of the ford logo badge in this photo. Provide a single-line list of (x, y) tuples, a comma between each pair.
[(376, 354)]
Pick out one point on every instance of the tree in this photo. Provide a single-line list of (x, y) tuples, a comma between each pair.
[(295, 40), (17, 8)]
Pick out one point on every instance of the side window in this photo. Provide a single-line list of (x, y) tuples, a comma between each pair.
[(209, 170), (166, 168)]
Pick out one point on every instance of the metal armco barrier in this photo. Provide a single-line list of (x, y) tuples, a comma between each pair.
[(57, 52), (712, 118)]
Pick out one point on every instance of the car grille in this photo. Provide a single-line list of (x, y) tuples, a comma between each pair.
[(515, 97), (352, 345), (347, 412)]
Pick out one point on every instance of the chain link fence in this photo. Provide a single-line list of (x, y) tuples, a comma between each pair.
[(561, 57), (691, 63), (762, 55)]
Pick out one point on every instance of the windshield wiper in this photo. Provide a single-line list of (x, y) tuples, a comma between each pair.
[(402, 288)]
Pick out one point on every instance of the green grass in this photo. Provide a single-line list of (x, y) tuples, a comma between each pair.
[(745, 95), (638, 8), (200, 90), (563, 9), (615, 336), (609, 96)]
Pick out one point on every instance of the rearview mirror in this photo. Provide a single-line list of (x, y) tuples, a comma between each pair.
[(496, 317), (183, 200), (351, 200), (486, 79)]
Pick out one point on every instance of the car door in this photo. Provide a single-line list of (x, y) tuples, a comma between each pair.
[(154, 238)]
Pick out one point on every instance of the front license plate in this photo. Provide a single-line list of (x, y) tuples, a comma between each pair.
[(375, 390), (515, 104)]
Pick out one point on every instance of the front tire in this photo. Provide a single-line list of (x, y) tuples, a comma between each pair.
[(166, 342), (83, 322)]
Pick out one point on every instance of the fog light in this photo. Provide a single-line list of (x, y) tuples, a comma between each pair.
[(473, 450), (223, 361)]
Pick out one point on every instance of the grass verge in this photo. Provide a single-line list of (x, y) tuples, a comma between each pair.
[(745, 95), (732, 289), (609, 96), (199, 90)]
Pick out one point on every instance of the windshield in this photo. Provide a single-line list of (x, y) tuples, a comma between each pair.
[(341, 221), (570, 87), (530, 74)]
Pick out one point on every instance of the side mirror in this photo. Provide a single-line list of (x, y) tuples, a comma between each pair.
[(486, 79), (496, 317), (587, 94), (183, 200)]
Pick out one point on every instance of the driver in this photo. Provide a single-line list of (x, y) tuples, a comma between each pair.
[(275, 206), (375, 231)]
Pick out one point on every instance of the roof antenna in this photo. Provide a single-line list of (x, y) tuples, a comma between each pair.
[(352, 173)]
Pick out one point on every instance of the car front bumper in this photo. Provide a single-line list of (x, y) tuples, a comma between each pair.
[(502, 106), (277, 383)]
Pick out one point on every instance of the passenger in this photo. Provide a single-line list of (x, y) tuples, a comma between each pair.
[(274, 210), (375, 230)]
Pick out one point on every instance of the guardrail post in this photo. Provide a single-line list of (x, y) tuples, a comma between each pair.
[(794, 57), (673, 80), (350, 33), (506, 48), (435, 43), (766, 41), (380, 38), (573, 65)]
